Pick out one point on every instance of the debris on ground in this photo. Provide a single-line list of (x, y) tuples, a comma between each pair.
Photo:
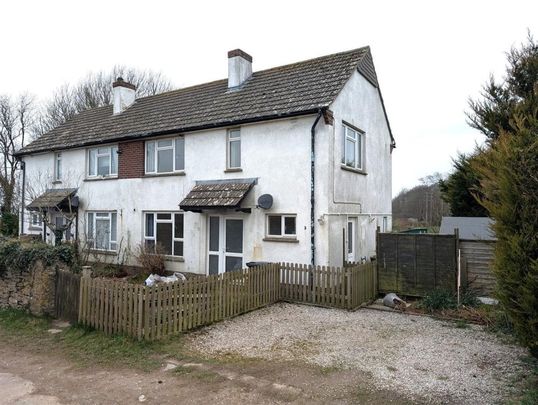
[(393, 301), (155, 279)]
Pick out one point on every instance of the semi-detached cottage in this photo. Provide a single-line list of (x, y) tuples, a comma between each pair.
[(286, 164)]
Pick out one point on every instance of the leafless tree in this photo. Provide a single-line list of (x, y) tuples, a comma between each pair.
[(17, 125), (95, 90)]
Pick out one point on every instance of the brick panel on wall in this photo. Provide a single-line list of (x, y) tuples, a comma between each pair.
[(131, 160)]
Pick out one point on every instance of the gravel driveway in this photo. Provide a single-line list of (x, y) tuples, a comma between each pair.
[(419, 356)]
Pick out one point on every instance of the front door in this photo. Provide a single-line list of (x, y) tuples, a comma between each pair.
[(225, 244)]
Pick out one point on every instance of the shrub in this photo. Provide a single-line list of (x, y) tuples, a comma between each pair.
[(439, 299), (17, 256), (151, 258), (469, 298)]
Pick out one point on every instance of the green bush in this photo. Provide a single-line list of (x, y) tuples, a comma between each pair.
[(15, 255), (439, 299)]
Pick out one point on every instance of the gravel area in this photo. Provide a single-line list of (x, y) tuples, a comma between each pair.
[(419, 356)]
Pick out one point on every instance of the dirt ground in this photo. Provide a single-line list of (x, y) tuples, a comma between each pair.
[(29, 378), (282, 354)]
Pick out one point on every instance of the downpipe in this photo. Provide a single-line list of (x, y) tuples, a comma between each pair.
[(313, 187)]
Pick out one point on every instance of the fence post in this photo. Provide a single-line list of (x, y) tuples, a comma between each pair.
[(86, 276), (348, 286)]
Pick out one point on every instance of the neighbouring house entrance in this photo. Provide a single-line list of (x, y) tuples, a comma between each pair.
[(351, 242), (225, 244)]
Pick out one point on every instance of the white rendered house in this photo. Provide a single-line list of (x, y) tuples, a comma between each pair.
[(288, 164)]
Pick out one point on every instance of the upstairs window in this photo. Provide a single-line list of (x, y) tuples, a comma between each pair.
[(353, 148), (101, 231), (58, 166), (166, 230), (103, 162), (234, 149), (165, 155)]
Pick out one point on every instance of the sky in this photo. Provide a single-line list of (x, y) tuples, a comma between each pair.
[(430, 56)]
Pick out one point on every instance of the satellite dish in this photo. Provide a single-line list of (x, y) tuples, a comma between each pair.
[(265, 201)]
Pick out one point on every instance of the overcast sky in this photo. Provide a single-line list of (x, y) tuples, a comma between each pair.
[(430, 57)]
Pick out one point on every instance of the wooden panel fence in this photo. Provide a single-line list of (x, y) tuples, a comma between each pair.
[(477, 260), (165, 309), (66, 297)]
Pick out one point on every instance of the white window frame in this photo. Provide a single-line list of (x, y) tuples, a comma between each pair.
[(112, 169), (58, 166), (35, 220), (172, 220), (356, 136), (91, 223), (157, 148), (229, 140), (385, 224), (282, 235)]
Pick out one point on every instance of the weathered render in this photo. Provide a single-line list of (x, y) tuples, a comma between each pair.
[(275, 111)]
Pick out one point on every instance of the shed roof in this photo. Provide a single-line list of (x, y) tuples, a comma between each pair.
[(470, 228), (296, 89), (217, 194), (52, 198)]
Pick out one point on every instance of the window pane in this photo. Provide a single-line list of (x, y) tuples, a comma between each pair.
[(234, 134), (235, 154), (150, 244), (178, 248), (103, 151), (214, 226), (150, 157), (351, 134), (234, 235), (114, 160), (113, 225), (350, 153), (103, 165), (164, 237), (58, 173), (213, 264), (359, 151), (164, 144), (102, 234), (165, 160), (289, 225), (350, 237), (178, 226), (233, 263), (91, 162), (90, 226), (164, 216), (150, 231), (180, 153), (275, 225)]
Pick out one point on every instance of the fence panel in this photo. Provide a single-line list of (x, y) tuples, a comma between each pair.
[(414, 264)]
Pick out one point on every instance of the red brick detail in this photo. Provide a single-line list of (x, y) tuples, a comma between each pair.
[(131, 160)]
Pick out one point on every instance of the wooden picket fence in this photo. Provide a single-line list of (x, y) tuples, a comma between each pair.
[(66, 296), (155, 312)]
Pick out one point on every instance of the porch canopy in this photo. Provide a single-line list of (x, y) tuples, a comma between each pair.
[(58, 198), (217, 194)]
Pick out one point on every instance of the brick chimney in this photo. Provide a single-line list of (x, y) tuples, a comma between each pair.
[(239, 67), (123, 95)]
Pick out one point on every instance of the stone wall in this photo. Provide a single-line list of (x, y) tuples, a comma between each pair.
[(32, 290)]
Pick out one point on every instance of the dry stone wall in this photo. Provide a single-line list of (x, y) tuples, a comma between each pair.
[(32, 289)]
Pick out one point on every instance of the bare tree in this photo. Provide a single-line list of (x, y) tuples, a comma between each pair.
[(95, 90), (17, 126)]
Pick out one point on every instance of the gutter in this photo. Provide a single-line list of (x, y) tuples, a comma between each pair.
[(176, 131), (312, 187)]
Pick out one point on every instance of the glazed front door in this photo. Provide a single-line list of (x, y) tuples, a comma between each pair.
[(225, 244)]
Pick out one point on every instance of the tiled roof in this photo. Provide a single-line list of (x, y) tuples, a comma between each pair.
[(216, 194), (52, 198), (296, 89)]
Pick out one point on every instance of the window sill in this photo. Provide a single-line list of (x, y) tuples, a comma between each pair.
[(57, 182), (35, 228), (173, 259), (181, 173), (233, 170), (352, 169), (276, 239), (101, 178), (103, 252)]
